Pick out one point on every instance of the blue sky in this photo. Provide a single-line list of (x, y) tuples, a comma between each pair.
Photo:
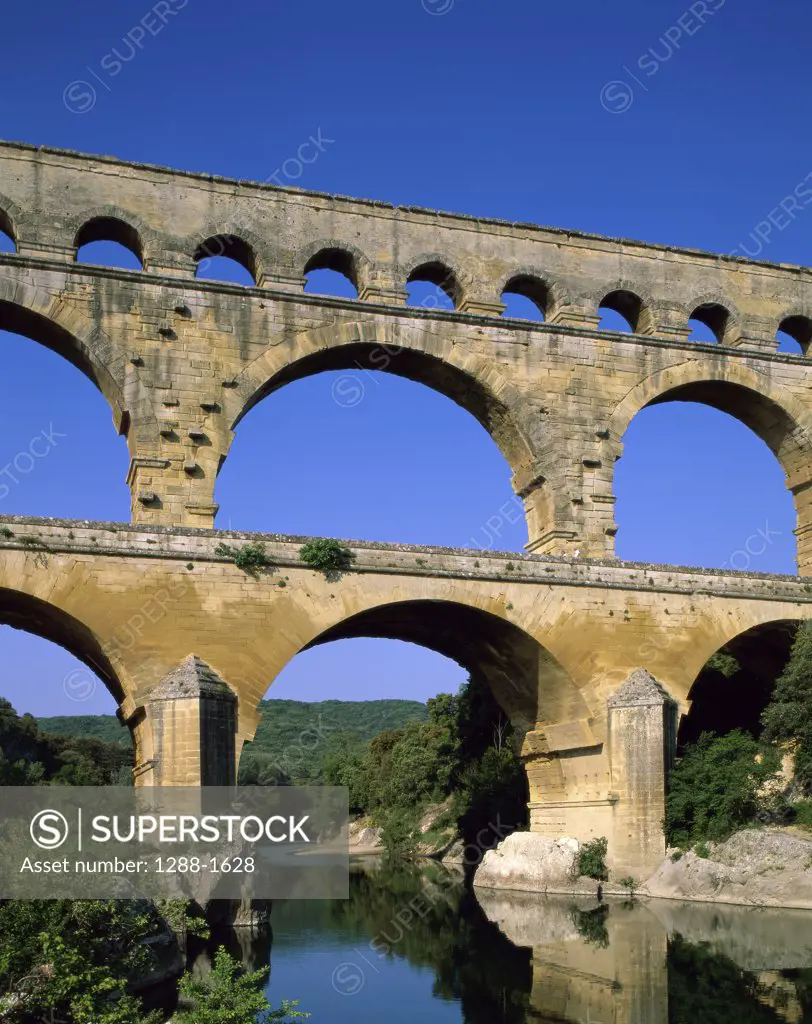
[(626, 119)]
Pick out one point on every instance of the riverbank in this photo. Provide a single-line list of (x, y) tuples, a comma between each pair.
[(755, 867)]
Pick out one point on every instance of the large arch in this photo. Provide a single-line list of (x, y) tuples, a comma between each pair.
[(42, 618), (756, 401), (735, 684), (37, 315), (528, 682), (468, 379), (543, 702)]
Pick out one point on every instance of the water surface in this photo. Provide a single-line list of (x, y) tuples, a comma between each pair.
[(415, 945)]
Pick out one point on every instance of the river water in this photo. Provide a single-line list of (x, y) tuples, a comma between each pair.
[(414, 945)]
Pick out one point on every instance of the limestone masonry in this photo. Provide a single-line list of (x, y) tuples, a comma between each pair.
[(180, 360)]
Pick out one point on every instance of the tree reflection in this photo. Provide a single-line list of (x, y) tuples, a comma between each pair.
[(427, 917), (708, 987)]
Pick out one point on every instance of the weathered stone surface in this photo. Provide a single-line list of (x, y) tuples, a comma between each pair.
[(757, 867), (641, 738), (641, 688), (180, 360), (192, 679), (549, 636), (528, 862)]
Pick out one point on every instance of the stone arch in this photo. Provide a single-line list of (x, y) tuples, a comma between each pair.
[(238, 243), (720, 630), (753, 399), (442, 271), (11, 219), (719, 384), (468, 379), (339, 255), (728, 329), (719, 702), (45, 619), (797, 323), (44, 318), (538, 286), (114, 224), (528, 681), (634, 303)]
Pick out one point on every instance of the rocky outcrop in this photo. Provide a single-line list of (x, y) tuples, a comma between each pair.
[(529, 862), (245, 913), (364, 838), (757, 867)]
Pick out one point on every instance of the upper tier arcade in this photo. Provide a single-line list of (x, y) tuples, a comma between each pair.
[(181, 360)]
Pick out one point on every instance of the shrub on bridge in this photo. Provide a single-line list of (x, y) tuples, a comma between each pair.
[(327, 556), (251, 557)]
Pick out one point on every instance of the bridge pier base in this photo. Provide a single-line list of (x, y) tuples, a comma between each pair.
[(587, 789), (185, 734)]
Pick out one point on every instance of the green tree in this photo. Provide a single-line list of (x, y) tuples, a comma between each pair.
[(344, 766), (788, 716), (29, 757), (591, 861), (75, 959), (230, 995), (491, 789), (713, 788)]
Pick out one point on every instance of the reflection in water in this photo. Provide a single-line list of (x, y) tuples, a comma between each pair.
[(414, 945), (659, 962), (406, 942)]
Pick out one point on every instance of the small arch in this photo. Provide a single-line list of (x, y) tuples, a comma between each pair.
[(526, 297), (226, 258), (622, 310), (8, 234), (710, 322), (110, 242), (332, 270), (795, 334), (434, 286)]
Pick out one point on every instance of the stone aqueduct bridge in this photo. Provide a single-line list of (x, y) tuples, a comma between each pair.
[(559, 633)]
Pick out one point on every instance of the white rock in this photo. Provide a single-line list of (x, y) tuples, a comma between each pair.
[(529, 862)]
